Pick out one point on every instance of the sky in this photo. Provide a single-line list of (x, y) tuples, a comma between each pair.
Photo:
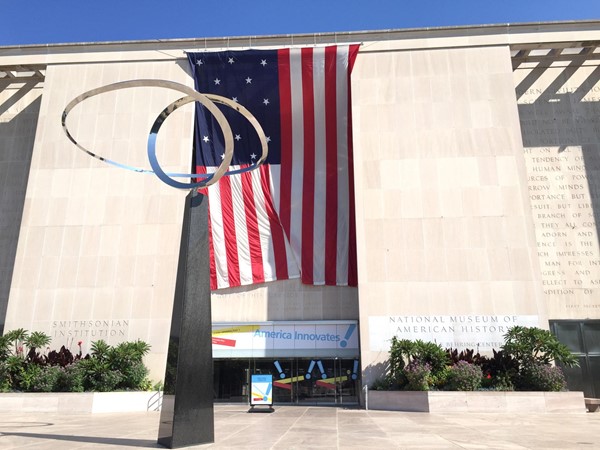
[(44, 22)]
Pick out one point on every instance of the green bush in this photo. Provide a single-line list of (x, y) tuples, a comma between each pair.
[(418, 375), (46, 379), (383, 384), (404, 352), (524, 363), (541, 377), (71, 379), (464, 376), (133, 376), (5, 384), (23, 368), (534, 345)]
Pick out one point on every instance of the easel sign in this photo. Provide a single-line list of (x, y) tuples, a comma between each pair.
[(261, 393)]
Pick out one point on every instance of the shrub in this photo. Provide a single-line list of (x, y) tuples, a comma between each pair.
[(133, 376), (541, 377), (46, 379), (383, 384), (5, 384), (534, 345), (464, 376), (107, 369), (418, 375), (71, 379), (405, 352), (503, 382)]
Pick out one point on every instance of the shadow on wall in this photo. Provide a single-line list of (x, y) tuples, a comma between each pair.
[(18, 122), (559, 110), (374, 372)]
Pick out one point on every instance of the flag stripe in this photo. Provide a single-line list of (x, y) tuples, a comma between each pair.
[(308, 182), (231, 248), (352, 273), (344, 166), (280, 253), (254, 239), (332, 189), (297, 162), (285, 108), (320, 166), (217, 233), (242, 244), (211, 252)]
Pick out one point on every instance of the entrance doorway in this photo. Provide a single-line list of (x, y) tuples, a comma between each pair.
[(306, 381), (583, 339)]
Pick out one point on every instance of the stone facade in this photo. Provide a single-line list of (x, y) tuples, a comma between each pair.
[(454, 142)]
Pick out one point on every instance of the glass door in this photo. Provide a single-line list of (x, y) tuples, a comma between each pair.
[(349, 371), (327, 381)]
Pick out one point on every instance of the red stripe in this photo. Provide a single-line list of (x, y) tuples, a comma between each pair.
[(352, 268), (258, 272), (277, 233), (308, 183), (285, 108), (331, 142), (233, 269), (213, 267)]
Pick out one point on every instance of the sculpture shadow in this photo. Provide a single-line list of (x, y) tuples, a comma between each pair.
[(122, 442)]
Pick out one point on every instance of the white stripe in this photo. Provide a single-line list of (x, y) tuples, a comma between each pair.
[(343, 209), (297, 153), (320, 187), (218, 233), (264, 228), (241, 228), (275, 179)]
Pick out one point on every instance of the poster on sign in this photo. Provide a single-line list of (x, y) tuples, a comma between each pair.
[(261, 390)]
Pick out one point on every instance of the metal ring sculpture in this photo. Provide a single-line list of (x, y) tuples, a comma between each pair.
[(206, 100)]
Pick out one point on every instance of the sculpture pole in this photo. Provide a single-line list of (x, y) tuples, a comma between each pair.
[(187, 416)]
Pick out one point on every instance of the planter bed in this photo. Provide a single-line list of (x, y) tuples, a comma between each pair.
[(80, 402), (478, 401)]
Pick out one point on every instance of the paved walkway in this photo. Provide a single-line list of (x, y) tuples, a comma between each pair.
[(298, 427)]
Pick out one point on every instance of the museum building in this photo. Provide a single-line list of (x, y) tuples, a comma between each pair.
[(474, 181)]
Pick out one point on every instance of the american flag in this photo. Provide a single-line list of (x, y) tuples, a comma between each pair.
[(293, 216)]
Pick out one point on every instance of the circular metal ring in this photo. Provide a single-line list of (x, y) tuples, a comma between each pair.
[(207, 179), (221, 171)]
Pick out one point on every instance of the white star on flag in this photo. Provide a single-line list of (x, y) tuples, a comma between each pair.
[(237, 137), (263, 62), (234, 99), (222, 155), (253, 156), (266, 101), (199, 62), (248, 80), (231, 61), (205, 139), (268, 139), (217, 81)]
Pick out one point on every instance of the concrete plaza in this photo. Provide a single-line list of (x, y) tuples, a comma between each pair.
[(299, 427)]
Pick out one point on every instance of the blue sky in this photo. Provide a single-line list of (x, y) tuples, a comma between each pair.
[(39, 22)]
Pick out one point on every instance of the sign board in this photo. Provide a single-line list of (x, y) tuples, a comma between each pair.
[(481, 333), (261, 390), (285, 339)]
